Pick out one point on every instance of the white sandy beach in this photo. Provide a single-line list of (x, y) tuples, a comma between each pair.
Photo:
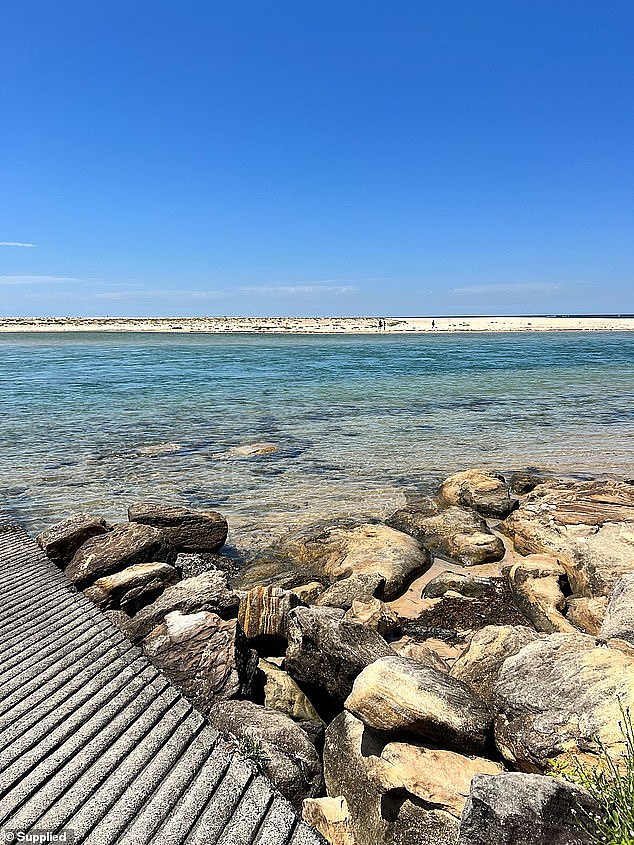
[(316, 325)]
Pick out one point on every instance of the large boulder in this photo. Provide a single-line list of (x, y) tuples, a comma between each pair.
[(343, 593), (536, 585), (398, 694), (587, 525), (125, 545), (513, 808), (133, 587), (263, 612), (205, 656), (282, 693), (561, 697), (484, 491), (339, 551), (208, 591), (186, 530), (452, 532), (60, 542), (480, 664), (276, 744), (619, 616), (326, 652)]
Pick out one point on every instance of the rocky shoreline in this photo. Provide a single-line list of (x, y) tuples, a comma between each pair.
[(422, 679)]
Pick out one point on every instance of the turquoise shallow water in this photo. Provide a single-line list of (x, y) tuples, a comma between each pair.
[(360, 422)]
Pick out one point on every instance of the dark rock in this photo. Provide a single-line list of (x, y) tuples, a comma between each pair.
[(484, 491), (343, 593), (522, 483), (190, 564), (468, 585), (277, 745), (513, 808), (186, 530), (208, 591), (61, 541), (125, 545), (205, 656), (133, 587), (619, 616)]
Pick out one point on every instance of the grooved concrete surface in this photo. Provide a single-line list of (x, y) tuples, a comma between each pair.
[(96, 742)]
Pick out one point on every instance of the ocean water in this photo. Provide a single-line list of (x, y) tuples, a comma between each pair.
[(361, 424)]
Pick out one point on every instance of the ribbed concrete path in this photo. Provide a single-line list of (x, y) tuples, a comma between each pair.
[(95, 741)]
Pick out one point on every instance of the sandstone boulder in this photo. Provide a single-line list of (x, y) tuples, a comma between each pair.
[(60, 542), (263, 612), (374, 614), (282, 693), (205, 656), (484, 491), (587, 525), (276, 744), (454, 532), (536, 585), (619, 616), (185, 529), (133, 587), (343, 593), (339, 551), (331, 817), (125, 545), (480, 665), (561, 696), (513, 808), (586, 613), (208, 591), (398, 694)]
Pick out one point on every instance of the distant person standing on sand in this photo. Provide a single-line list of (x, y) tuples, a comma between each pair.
[(433, 324)]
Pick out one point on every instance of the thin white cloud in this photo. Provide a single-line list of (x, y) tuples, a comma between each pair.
[(518, 288), (15, 279), (144, 293), (14, 243), (298, 290)]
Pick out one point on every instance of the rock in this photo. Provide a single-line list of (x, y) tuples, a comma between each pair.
[(484, 491), (205, 656), (525, 482), (273, 569), (420, 652), (331, 817), (585, 613), (156, 450), (587, 525), (326, 653), (480, 665), (536, 585), (264, 612), (468, 585), (398, 694), (374, 614), (339, 551), (619, 617), (455, 532), (248, 450), (276, 744), (186, 530), (308, 593), (559, 697), (133, 587), (282, 693), (60, 542), (190, 564), (125, 545), (343, 593), (513, 808), (208, 591)]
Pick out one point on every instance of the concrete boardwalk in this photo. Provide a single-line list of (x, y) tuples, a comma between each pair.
[(95, 741)]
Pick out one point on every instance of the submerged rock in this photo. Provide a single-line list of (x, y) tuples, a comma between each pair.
[(60, 542), (185, 529), (484, 491), (248, 450), (133, 587)]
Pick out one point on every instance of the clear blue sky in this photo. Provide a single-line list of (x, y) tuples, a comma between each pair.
[(299, 157)]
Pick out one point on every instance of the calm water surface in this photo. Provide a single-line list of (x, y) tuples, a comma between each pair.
[(360, 423)]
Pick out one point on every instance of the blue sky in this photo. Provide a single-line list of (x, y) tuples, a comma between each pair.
[(334, 157)]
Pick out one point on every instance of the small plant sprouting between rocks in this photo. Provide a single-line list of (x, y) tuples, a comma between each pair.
[(252, 748), (611, 786)]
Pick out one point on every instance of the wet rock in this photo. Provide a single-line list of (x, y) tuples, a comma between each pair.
[(331, 817), (522, 483), (397, 694), (205, 656), (326, 653), (536, 585), (60, 542), (484, 491), (282, 693), (587, 525), (339, 551), (586, 614), (278, 746), (480, 665), (186, 530), (530, 809), (273, 569), (374, 614), (454, 532), (133, 587), (208, 591), (619, 617), (466, 584), (125, 545), (264, 612), (343, 593), (559, 697)]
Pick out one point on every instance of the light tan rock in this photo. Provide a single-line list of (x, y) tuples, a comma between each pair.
[(343, 593), (374, 614), (536, 587), (308, 593), (282, 693), (585, 613), (619, 617), (436, 654), (263, 611), (331, 817), (133, 587), (480, 489), (248, 450)]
